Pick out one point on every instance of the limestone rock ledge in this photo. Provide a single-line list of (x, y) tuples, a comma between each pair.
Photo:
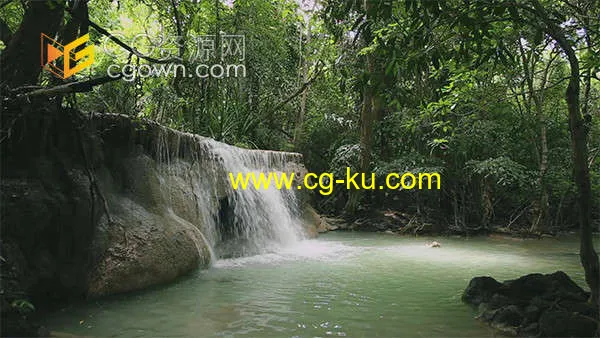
[(99, 204)]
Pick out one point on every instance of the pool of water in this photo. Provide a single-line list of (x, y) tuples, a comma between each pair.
[(341, 284)]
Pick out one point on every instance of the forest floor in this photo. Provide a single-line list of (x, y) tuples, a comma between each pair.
[(403, 223)]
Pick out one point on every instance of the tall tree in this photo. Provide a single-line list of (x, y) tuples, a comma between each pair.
[(548, 18), (20, 62), (531, 95)]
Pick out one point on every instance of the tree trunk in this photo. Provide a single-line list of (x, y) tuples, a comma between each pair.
[(543, 218), (366, 114), (366, 140), (487, 204), (366, 117), (588, 256), (579, 134), (20, 61), (540, 224), (304, 97)]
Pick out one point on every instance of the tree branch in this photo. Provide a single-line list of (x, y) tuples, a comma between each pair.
[(72, 87), (299, 91)]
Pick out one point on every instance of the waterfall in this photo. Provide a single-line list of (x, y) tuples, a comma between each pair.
[(242, 222), (254, 221)]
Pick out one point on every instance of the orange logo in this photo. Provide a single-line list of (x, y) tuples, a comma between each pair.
[(52, 51)]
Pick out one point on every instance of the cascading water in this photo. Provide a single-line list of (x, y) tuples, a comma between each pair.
[(238, 222), (253, 221)]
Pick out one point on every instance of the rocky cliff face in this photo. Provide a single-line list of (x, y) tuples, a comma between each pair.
[(100, 204)]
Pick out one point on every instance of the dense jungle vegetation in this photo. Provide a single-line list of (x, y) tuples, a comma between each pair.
[(473, 90)]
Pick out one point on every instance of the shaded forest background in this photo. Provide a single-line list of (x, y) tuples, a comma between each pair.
[(475, 91)]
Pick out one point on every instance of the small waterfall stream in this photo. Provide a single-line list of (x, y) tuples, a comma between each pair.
[(254, 221), (238, 222)]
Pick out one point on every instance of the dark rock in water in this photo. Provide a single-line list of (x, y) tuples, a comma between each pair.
[(498, 301), (542, 304), (509, 315), (480, 290), (524, 288), (531, 314), (552, 323), (486, 313), (530, 330), (550, 305), (563, 323), (582, 308), (506, 330)]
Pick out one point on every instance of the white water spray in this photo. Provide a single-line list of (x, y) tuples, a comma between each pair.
[(254, 221), (236, 223)]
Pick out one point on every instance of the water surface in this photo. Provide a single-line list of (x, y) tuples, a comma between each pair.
[(341, 284)]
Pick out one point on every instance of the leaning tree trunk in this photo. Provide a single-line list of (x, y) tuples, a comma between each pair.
[(579, 135), (579, 132), (578, 127), (20, 61)]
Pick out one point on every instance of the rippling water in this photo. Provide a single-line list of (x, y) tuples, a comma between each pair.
[(342, 284)]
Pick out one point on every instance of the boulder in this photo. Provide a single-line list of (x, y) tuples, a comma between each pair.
[(480, 290), (564, 323), (312, 221), (546, 305), (531, 313), (509, 315), (530, 330), (550, 286)]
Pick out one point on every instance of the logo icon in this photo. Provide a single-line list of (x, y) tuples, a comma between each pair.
[(52, 51)]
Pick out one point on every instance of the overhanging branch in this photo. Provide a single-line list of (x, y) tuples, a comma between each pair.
[(300, 90), (69, 88)]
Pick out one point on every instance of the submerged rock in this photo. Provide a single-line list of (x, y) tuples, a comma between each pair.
[(546, 305)]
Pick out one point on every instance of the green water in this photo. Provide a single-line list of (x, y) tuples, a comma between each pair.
[(341, 284)]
